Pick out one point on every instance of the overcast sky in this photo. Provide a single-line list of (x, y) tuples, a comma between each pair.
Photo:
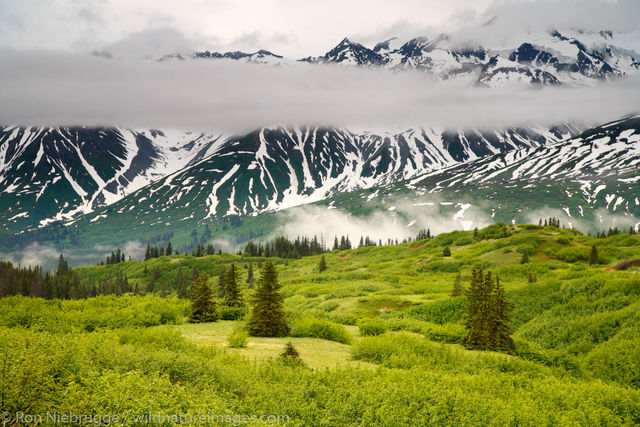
[(47, 77), (293, 28)]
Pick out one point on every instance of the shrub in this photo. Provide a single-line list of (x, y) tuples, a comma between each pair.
[(237, 338), (344, 318), (441, 266), (463, 241), (573, 254), (329, 306), (442, 311), (290, 351), (526, 249), (450, 333), (318, 328), (232, 313), (371, 327)]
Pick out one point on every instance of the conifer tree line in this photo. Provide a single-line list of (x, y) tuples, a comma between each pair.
[(158, 251), (62, 284), (302, 246), (613, 231), (115, 257), (202, 250), (424, 234), (285, 248), (551, 221)]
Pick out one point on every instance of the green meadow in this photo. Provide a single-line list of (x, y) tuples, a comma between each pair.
[(381, 341)]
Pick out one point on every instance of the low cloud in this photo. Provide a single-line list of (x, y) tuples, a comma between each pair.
[(603, 220), (47, 255), (510, 20), (224, 95), (401, 219), (150, 42)]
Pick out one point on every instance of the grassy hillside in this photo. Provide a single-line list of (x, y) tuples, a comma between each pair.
[(380, 337)]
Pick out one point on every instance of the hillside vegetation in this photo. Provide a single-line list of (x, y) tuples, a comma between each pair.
[(380, 338)]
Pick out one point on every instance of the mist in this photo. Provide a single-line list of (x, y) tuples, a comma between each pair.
[(603, 220), (401, 219), (47, 255), (53, 89)]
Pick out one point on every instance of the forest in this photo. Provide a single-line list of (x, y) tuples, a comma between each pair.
[(510, 324)]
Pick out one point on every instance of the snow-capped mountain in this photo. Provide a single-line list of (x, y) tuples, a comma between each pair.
[(552, 58), (587, 179), (49, 174), (549, 58), (275, 168)]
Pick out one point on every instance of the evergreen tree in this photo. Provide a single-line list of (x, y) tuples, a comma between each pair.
[(525, 257), (63, 267), (322, 265), (222, 282), (169, 250), (183, 290), (500, 314), (267, 317), (232, 294), (488, 314), (147, 253), (473, 318), (151, 286), (446, 251), (203, 308), (250, 276), (594, 256), (290, 351), (457, 290)]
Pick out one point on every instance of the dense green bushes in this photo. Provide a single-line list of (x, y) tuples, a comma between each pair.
[(371, 327), (442, 311), (92, 313), (317, 328), (96, 373)]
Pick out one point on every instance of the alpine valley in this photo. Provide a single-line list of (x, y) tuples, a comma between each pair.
[(82, 187)]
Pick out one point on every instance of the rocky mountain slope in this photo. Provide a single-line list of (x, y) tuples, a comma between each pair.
[(57, 174), (54, 174), (569, 57), (591, 180)]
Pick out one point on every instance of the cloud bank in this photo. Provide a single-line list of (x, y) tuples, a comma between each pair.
[(402, 219), (47, 88)]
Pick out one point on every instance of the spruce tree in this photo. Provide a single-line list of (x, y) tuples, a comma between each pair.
[(322, 265), (203, 308), (594, 256), (501, 313), (232, 294), (183, 290), (446, 251), (473, 317), (457, 290), (525, 257), (222, 282), (290, 351), (250, 276), (488, 314), (267, 317), (169, 250)]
